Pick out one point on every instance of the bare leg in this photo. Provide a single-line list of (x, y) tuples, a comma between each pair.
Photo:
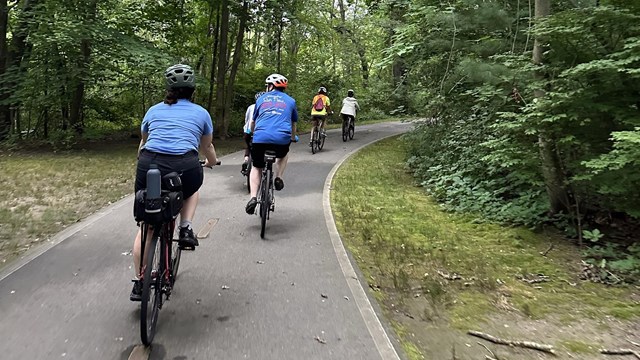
[(137, 249), (189, 207), (256, 174), (281, 165)]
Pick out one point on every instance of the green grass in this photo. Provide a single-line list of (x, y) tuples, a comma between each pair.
[(43, 192), (402, 239)]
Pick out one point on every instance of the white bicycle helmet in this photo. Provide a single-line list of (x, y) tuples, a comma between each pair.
[(277, 80), (322, 90)]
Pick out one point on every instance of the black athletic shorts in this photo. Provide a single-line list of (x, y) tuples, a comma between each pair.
[(258, 149), (187, 165)]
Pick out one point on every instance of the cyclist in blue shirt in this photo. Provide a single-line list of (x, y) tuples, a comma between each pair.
[(274, 128), (172, 133)]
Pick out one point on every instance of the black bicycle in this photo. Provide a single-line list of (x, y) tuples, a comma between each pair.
[(317, 137), (348, 127), (266, 198)]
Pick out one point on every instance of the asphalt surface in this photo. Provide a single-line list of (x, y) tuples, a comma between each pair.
[(237, 296)]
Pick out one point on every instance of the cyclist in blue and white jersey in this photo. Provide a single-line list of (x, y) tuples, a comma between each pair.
[(248, 118), (273, 128)]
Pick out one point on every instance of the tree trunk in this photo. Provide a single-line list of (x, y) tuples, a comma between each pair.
[(5, 116), (213, 60), (77, 99), (237, 57), (554, 177), (222, 69)]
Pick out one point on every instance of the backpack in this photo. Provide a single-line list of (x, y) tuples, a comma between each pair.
[(319, 105)]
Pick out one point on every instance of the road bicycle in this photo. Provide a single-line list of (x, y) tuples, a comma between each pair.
[(266, 199), (348, 127), (317, 137)]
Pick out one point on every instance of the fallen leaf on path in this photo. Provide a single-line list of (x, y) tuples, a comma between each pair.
[(324, 296), (225, 287), (321, 341)]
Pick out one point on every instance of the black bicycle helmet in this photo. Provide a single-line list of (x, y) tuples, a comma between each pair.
[(350, 93), (180, 76)]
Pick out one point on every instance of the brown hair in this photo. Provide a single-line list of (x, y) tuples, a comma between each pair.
[(173, 95)]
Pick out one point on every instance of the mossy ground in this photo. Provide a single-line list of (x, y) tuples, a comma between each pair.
[(412, 250)]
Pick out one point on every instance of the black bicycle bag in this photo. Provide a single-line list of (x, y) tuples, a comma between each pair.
[(171, 205)]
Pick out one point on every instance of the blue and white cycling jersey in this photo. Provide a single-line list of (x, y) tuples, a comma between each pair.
[(273, 114)]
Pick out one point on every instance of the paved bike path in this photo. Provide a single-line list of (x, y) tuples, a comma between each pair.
[(237, 296)]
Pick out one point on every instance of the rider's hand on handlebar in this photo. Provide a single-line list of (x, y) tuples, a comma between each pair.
[(206, 163), (295, 139)]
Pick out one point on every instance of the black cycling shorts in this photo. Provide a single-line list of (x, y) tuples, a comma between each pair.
[(258, 149), (187, 165)]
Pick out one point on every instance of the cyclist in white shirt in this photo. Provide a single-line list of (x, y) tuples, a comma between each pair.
[(349, 107), (248, 118)]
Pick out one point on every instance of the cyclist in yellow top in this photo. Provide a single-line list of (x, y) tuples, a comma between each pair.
[(320, 107)]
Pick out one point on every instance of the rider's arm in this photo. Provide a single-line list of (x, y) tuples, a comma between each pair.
[(206, 148)]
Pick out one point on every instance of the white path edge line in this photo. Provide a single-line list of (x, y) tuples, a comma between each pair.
[(376, 330)]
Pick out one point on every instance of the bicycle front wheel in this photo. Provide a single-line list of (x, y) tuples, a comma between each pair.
[(265, 204), (151, 291)]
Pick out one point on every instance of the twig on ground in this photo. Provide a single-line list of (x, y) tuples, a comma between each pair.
[(537, 278), (493, 356), (524, 344), (633, 343), (620, 352), (453, 276), (544, 253)]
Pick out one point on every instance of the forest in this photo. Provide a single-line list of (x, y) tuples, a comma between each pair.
[(528, 111)]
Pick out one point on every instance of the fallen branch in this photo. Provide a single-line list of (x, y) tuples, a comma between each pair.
[(547, 251), (537, 278), (449, 276), (524, 344), (621, 352), (493, 356)]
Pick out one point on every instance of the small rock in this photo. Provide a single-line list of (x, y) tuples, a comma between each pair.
[(225, 287), (324, 296), (260, 262), (346, 298)]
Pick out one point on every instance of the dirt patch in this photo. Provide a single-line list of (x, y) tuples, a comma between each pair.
[(428, 326)]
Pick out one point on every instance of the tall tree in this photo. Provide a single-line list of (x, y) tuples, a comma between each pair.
[(5, 117)]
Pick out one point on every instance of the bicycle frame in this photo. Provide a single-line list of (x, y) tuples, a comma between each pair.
[(265, 191)]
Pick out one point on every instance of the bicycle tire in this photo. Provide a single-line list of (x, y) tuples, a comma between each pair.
[(265, 204), (320, 142), (345, 133), (314, 140), (151, 292), (352, 129), (176, 253), (248, 176)]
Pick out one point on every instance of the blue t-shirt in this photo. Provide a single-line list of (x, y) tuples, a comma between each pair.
[(273, 115), (176, 129)]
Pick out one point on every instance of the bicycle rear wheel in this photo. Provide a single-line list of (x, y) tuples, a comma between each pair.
[(321, 138), (151, 291), (352, 129), (314, 140), (345, 131), (248, 176), (265, 203)]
